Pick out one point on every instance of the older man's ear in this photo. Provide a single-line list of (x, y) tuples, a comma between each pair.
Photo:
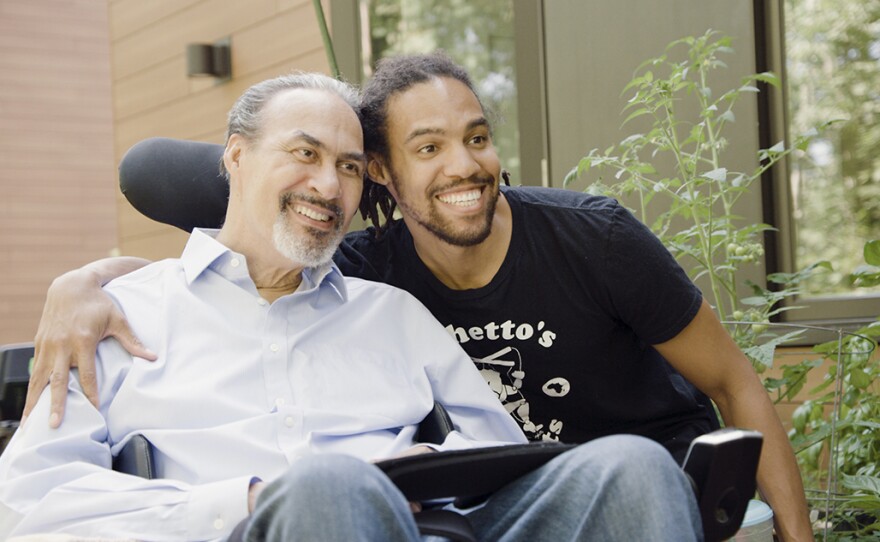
[(232, 153)]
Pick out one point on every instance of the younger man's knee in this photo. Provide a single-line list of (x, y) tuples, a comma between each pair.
[(622, 458)]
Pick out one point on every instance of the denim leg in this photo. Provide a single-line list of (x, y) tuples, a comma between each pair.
[(621, 487), (332, 497)]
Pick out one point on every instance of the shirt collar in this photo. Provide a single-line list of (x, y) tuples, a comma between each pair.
[(203, 252)]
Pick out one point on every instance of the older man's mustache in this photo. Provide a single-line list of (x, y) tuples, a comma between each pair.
[(333, 209)]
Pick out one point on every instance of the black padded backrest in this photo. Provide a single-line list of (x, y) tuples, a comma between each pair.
[(176, 182)]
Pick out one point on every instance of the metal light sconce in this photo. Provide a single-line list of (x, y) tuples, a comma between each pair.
[(209, 59)]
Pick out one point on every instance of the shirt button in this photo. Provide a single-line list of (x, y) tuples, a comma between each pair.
[(273, 347), (219, 523), (261, 301), (234, 263), (289, 421), (279, 402)]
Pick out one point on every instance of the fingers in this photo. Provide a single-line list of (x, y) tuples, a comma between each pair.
[(37, 383), (58, 389), (118, 327), (88, 380), (415, 507)]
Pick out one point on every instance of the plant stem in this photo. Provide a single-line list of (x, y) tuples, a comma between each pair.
[(325, 36)]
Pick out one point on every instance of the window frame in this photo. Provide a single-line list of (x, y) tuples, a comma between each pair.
[(841, 312)]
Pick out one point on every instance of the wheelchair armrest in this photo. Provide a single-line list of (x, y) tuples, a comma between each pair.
[(722, 466), (14, 376), (435, 427), (136, 457), (466, 474)]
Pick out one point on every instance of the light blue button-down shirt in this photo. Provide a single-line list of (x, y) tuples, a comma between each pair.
[(241, 389)]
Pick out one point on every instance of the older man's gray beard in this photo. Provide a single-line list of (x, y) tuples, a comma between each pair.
[(308, 247)]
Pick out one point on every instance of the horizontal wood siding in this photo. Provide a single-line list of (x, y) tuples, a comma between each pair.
[(57, 183)]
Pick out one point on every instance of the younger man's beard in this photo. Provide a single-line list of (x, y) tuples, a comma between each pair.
[(444, 229)]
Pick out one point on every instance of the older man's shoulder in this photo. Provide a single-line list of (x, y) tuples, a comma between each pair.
[(159, 270)]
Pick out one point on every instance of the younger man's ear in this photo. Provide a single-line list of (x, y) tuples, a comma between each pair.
[(377, 170)]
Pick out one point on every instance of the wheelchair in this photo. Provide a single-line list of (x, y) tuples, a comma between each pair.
[(720, 465)]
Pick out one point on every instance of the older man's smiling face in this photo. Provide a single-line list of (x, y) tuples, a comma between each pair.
[(301, 179)]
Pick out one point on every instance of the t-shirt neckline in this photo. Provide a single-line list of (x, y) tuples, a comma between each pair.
[(507, 266)]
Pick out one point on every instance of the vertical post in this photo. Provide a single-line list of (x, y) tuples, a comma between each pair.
[(325, 35)]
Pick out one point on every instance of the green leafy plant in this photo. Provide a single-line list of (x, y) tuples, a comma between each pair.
[(837, 433), (694, 202), (869, 274)]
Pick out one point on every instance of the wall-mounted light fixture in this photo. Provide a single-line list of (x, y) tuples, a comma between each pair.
[(209, 59)]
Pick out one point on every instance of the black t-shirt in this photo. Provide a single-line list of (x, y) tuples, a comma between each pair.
[(563, 332)]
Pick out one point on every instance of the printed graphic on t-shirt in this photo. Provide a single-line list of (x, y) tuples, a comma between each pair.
[(504, 373)]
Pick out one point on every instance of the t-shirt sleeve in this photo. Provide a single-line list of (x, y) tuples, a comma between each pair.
[(649, 290)]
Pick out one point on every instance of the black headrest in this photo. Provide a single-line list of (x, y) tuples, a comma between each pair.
[(176, 182)]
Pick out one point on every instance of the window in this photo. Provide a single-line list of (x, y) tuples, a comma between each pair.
[(825, 202), (477, 35), (832, 65)]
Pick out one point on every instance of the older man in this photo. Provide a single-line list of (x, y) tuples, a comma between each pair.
[(277, 380)]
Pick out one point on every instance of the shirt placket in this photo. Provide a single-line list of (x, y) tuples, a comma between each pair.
[(276, 359)]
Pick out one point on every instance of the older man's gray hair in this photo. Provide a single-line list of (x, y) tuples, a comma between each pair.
[(244, 117)]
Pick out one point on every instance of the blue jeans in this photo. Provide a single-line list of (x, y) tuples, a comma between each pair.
[(615, 488)]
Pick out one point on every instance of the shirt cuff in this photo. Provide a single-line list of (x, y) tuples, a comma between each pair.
[(217, 507)]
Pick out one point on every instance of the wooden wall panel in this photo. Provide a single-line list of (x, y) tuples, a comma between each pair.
[(129, 16), (167, 243), (57, 183), (140, 92), (204, 21)]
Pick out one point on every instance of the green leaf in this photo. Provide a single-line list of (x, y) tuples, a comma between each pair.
[(719, 174), (779, 147), (637, 113), (571, 176), (584, 165), (859, 378), (630, 140), (870, 484), (768, 77), (865, 276), (762, 354), (872, 252), (727, 116)]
